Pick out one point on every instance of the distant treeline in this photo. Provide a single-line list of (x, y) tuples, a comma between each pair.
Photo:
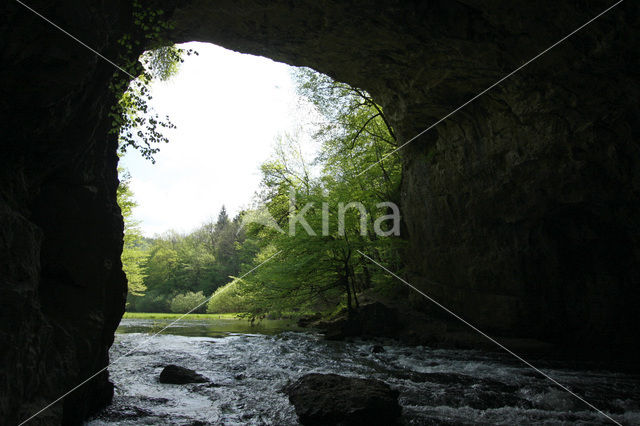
[(179, 270)]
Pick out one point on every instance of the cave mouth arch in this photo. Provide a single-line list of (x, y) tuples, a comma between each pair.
[(544, 166)]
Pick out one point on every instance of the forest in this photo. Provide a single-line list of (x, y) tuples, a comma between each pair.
[(316, 217)]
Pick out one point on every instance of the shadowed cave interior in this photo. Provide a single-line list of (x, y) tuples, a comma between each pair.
[(522, 210)]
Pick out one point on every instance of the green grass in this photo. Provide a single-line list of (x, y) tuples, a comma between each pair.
[(147, 315)]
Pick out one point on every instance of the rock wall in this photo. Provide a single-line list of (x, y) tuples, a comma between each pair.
[(521, 210), (62, 289)]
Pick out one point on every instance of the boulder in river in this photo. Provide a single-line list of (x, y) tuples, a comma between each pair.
[(369, 320), (174, 374), (376, 349), (306, 320), (331, 399)]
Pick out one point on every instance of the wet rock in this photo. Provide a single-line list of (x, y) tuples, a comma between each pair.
[(371, 320), (341, 328), (378, 319), (330, 399), (306, 320), (154, 401), (464, 390), (174, 374), (127, 412)]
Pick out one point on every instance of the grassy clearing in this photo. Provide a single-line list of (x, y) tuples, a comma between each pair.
[(148, 315)]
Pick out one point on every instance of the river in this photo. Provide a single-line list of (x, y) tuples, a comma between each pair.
[(249, 365)]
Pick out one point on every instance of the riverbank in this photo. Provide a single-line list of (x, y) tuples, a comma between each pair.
[(165, 315)]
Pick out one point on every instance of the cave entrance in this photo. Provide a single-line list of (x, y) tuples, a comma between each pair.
[(263, 158), (252, 138), (227, 115)]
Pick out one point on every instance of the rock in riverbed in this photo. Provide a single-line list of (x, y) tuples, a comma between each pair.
[(330, 399), (369, 320), (174, 374), (306, 320), (376, 349)]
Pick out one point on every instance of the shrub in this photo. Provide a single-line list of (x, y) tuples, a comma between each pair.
[(227, 299), (183, 303), (147, 303)]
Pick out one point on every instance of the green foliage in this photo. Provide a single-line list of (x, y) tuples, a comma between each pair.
[(228, 298), (133, 251), (201, 261), (183, 303), (162, 266), (148, 302), (351, 114), (153, 315), (317, 268), (135, 123), (324, 267)]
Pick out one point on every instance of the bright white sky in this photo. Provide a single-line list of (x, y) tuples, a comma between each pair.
[(228, 109)]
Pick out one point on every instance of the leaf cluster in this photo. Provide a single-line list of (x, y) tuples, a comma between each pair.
[(132, 119)]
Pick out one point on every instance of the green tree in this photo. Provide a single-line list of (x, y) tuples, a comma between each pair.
[(222, 239), (200, 261), (228, 299), (187, 302), (195, 264), (318, 264), (161, 266), (133, 251)]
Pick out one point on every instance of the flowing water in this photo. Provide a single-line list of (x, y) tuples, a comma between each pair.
[(249, 365)]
